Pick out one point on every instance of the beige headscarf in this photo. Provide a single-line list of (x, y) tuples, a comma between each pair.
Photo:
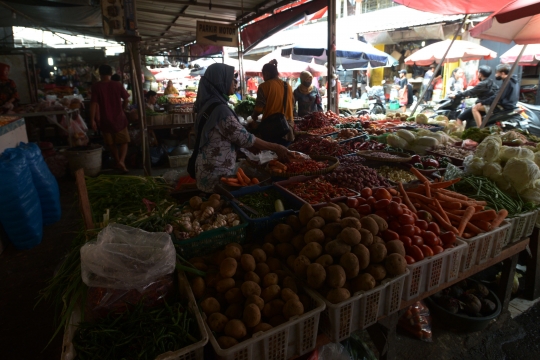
[(305, 76)]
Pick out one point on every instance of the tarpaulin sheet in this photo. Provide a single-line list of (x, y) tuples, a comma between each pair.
[(51, 16), (454, 7)]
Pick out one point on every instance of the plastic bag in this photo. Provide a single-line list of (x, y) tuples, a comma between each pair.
[(126, 258), (79, 120), (453, 172), (77, 135), (417, 321), (20, 208)]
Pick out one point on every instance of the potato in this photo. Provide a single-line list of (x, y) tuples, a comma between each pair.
[(217, 321), (314, 235), (335, 206), (225, 284), (227, 268), (336, 248), (395, 264), (283, 233), (257, 300), (298, 242), (378, 240), (350, 236), (395, 247), (381, 223), (250, 288), (247, 262), (336, 296), (235, 329), (329, 214), (270, 279), (232, 252), (351, 222), (316, 275), (236, 245), (273, 264), (306, 213), (269, 249), (252, 276), (332, 230), (273, 308), (290, 283), (270, 239), (259, 255), (290, 261), (316, 222), (277, 320), (312, 251), (301, 264), (212, 279), (294, 222), (226, 342), (198, 287), (234, 296), (215, 196), (325, 260), (234, 311), (200, 266), (262, 269), (284, 250), (270, 293), (293, 308), (210, 305), (363, 282), (195, 202), (217, 258), (352, 213), (252, 315), (377, 271), (366, 237), (282, 274), (261, 327), (287, 294), (349, 263), (335, 276), (370, 224), (343, 207), (362, 254), (377, 253)]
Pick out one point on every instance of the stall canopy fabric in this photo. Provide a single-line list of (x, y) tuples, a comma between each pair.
[(460, 50), (287, 67), (454, 7), (519, 21), (530, 57)]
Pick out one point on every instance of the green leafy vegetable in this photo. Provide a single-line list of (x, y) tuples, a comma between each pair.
[(475, 134), (245, 107)]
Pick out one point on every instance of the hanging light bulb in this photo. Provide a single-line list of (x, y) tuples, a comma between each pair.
[(50, 61), (423, 43)]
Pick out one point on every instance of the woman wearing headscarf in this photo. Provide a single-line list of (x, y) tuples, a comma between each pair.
[(8, 90), (270, 101), (222, 133), (170, 89), (307, 96)]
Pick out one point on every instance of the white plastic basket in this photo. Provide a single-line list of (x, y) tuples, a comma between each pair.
[(296, 337), (363, 309), (521, 226), (191, 352), (485, 246), (429, 273)]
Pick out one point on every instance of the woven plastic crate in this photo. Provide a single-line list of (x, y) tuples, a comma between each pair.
[(179, 160), (296, 337), (521, 226), (362, 309), (191, 352), (429, 273), (484, 246)]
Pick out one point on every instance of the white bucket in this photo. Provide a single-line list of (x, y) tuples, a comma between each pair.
[(86, 158)]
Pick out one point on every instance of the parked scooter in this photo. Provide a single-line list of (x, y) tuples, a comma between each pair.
[(451, 108), (525, 117)]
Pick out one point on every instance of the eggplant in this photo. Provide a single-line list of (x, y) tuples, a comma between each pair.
[(488, 307), (448, 303), (472, 304), (456, 292)]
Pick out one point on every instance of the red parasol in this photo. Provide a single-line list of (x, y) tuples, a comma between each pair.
[(530, 57), (460, 50), (454, 7)]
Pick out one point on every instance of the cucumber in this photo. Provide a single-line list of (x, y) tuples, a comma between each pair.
[(279, 206)]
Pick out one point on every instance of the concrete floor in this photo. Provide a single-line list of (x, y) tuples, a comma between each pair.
[(25, 330)]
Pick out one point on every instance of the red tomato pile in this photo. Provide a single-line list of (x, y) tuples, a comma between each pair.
[(421, 237)]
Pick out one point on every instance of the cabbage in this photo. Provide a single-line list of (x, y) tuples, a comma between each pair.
[(396, 141), (521, 173), (418, 149), (536, 158), (492, 171), (474, 165), (441, 118), (509, 152), (407, 135), (427, 141), (532, 148), (489, 148), (532, 193), (422, 119)]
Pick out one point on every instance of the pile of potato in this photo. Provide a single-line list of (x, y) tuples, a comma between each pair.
[(336, 250), (246, 291)]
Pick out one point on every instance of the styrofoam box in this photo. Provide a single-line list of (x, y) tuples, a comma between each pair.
[(484, 246), (296, 337), (191, 352), (429, 273), (362, 309), (521, 226)]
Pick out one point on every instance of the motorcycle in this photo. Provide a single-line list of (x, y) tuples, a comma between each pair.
[(451, 108)]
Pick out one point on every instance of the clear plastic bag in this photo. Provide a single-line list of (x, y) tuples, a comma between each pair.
[(126, 258), (77, 135), (417, 321)]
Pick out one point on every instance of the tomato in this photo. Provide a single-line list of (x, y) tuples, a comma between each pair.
[(352, 202), (415, 216), (382, 193), (437, 249), (406, 219), (403, 206), (366, 192), (417, 240), (448, 237), (422, 224), (371, 201), (424, 215), (410, 260), (417, 230), (448, 246), (433, 227), (405, 240), (397, 199), (382, 214), (394, 209), (430, 238), (392, 192), (389, 235), (407, 230), (364, 209), (394, 225), (426, 250), (382, 204), (360, 201), (415, 252)]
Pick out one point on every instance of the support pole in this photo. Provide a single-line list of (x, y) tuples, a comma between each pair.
[(439, 65), (331, 54), (354, 84), (241, 66), (537, 100), (501, 90)]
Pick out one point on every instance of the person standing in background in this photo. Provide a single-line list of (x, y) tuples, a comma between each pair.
[(9, 97), (107, 114), (170, 89), (428, 90), (455, 83), (405, 90), (307, 96), (252, 85)]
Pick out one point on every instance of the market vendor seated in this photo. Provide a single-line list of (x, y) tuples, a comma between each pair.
[(151, 101), (8, 91), (170, 89)]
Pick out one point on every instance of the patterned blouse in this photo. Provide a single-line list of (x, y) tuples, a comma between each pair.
[(8, 91), (218, 157)]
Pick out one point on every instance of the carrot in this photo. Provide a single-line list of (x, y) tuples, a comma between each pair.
[(419, 175), (473, 229), (224, 179), (478, 208), (406, 199), (255, 181), (469, 211), (418, 190), (393, 192), (444, 184), (421, 197), (482, 224), (467, 235), (455, 217), (443, 213), (440, 196), (487, 215), (278, 164), (501, 215), (456, 212), (445, 225), (428, 188), (240, 178), (452, 194), (454, 205), (247, 180)]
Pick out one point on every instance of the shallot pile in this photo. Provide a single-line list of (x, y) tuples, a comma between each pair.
[(356, 177)]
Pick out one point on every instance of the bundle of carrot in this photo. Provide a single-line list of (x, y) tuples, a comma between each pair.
[(454, 212), (241, 179), (277, 167)]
